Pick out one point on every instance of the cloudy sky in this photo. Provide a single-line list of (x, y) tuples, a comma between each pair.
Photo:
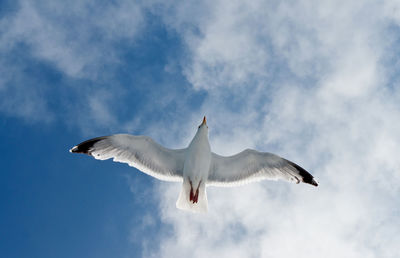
[(317, 82)]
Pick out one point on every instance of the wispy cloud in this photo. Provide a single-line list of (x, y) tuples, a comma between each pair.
[(76, 39), (315, 82), (308, 81), (75, 36)]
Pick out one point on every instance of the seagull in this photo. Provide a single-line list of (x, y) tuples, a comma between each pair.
[(195, 166)]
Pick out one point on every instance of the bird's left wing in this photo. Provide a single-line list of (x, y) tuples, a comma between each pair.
[(140, 152), (250, 165)]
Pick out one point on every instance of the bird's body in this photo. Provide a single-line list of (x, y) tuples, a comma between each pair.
[(195, 166), (195, 173)]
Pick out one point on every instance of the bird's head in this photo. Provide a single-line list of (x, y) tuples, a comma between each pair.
[(203, 125)]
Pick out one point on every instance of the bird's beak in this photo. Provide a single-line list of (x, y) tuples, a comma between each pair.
[(204, 121)]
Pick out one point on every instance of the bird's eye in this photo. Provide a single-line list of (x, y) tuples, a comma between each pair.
[(199, 127)]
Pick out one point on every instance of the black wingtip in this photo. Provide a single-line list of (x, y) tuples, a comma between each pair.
[(86, 146), (306, 176), (314, 182)]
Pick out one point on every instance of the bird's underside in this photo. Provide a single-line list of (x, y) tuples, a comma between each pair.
[(166, 164)]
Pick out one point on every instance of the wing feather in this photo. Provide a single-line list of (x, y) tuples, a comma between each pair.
[(140, 152), (250, 165)]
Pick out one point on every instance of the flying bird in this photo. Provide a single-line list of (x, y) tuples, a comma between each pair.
[(195, 166)]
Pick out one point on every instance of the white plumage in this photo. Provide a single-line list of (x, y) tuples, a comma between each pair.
[(196, 166)]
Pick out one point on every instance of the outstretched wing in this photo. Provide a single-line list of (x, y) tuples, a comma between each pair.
[(140, 152), (250, 165)]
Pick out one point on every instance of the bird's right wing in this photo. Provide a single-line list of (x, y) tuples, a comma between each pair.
[(140, 152), (250, 165)]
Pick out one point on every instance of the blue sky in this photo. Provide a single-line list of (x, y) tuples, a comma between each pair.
[(315, 82)]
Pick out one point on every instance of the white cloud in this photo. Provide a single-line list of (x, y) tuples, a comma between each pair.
[(75, 36), (312, 81), (330, 107), (76, 39)]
